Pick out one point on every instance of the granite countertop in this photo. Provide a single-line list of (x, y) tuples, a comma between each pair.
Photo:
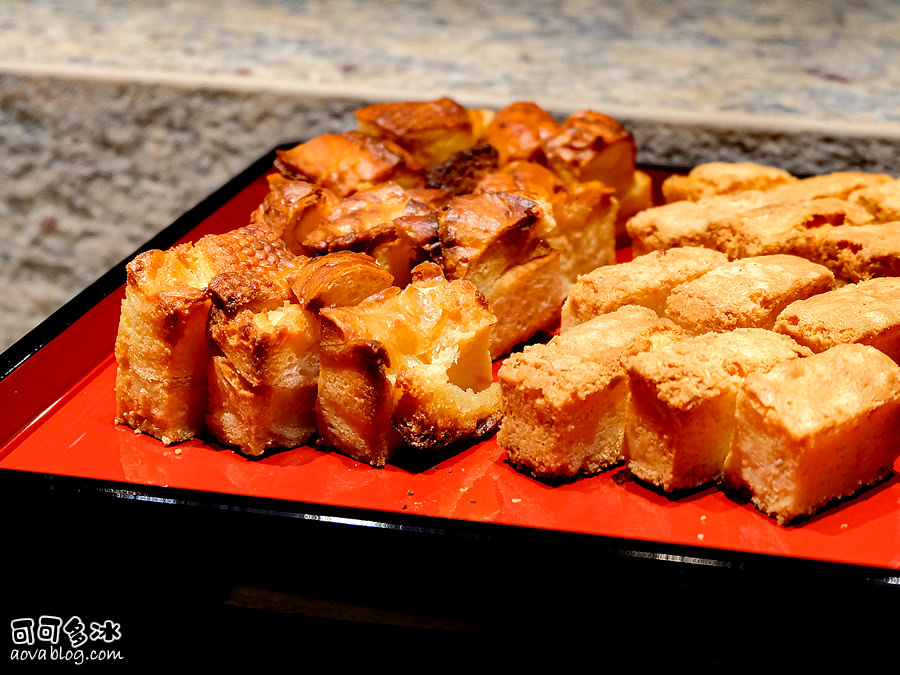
[(117, 116)]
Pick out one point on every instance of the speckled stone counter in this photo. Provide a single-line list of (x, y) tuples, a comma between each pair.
[(117, 116)]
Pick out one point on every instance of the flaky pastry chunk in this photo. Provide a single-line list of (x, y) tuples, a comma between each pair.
[(816, 429), (565, 401), (408, 368), (350, 161), (161, 350), (721, 178), (500, 243), (431, 131)]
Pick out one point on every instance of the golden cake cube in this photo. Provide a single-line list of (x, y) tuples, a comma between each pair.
[(839, 184), (565, 402), (865, 313), (407, 369), (721, 178), (682, 398), (881, 200), (745, 293), (645, 280), (859, 253), (816, 429)]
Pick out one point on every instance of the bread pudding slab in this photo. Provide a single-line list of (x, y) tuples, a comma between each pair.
[(800, 444), (646, 280), (564, 402), (866, 313), (681, 403), (745, 293)]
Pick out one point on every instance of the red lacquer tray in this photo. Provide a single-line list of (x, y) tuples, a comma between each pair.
[(57, 421)]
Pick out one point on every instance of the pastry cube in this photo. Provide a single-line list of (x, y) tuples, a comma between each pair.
[(816, 429), (745, 293), (518, 132), (292, 209), (721, 178), (860, 253), (867, 313), (407, 369), (565, 401), (646, 280), (682, 399)]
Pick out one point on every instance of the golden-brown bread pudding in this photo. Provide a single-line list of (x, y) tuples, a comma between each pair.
[(791, 227), (161, 348), (500, 242), (722, 178), (407, 368), (867, 313), (859, 253), (745, 293), (350, 161), (682, 399), (292, 209), (430, 131), (646, 280), (815, 429), (519, 131), (564, 402)]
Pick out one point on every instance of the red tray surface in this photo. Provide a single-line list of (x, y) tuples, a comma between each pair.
[(72, 433)]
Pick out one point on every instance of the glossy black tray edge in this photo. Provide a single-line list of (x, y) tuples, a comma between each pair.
[(663, 567)]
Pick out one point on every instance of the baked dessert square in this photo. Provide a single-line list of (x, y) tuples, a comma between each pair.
[(406, 369), (816, 429), (645, 280), (722, 178), (564, 402), (745, 293), (839, 184), (881, 200), (790, 227), (865, 313), (688, 223), (682, 397), (859, 253)]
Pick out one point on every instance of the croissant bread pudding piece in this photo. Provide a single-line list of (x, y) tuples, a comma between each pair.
[(431, 131), (682, 397), (867, 313), (161, 350), (264, 362), (645, 280), (721, 178), (407, 368), (745, 293), (292, 209), (564, 402), (518, 132), (499, 242), (816, 429), (350, 161)]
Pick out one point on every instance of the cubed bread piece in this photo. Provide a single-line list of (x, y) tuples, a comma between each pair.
[(586, 215), (500, 242), (292, 209), (784, 228), (161, 350), (881, 200), (463, 170), (722, 178), (682, 399), (565, 401), (263, 370), (431, 131), (407, 369), (745, 293), (687, 223), (350, 161), (815, 429), (646, 280), (839, 184), (859, 253), (867, 313), (519, 130)]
